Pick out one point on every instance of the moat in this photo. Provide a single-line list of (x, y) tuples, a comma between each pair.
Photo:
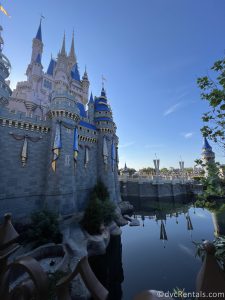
[(139, 260)]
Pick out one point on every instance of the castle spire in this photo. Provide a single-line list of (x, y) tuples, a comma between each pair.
[(72, 54), (85, 76), (39, 33), (91, 99), (206, 145), (103, 93), (63, 49)]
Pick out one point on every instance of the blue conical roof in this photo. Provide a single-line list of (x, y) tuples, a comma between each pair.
[(39, 34), (206, 145), (91, 99), (51, 67), (75, 73), (103, 93)]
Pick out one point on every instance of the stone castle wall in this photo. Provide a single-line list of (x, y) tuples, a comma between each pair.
[(24, 189)]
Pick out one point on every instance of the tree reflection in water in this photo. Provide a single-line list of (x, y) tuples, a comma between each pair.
[(108, 268)]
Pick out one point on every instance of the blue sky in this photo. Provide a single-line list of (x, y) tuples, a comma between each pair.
[(151, 53)]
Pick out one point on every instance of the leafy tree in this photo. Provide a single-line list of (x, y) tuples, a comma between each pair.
[(164, 171), (212, 184), (44, 228), (213, 91), (147, 171)]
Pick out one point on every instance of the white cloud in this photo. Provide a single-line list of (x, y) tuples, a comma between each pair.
[(172, 109), (126, 145), (188, 135)]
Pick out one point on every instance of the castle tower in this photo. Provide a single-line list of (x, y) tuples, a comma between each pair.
[(61, 73), (91, 108), (61, 193), (5, 67), (85, 85), (107, 144), (208, 156), (37, 50), (72, 55)]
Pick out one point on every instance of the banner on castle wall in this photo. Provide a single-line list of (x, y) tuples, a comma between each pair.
[(57, 145), (24, 152), (75, 145), (86, 157), (105, 152), (113, 155)]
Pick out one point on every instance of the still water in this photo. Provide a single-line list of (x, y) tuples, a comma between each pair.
[(139, 260)]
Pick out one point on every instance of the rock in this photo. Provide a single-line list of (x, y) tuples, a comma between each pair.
[(125, 207), (119, 219), (127, 217), (97, 244), (114, 229), (134, 222)]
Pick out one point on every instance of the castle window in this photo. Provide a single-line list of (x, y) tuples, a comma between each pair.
[(67, 160), (80, 128), (88, 130), (68, 130)]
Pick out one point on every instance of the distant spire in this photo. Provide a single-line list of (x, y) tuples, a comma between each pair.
[(39, 33), (91, 99), (103, 93), (72, 54), (63, 50), (85, 76)]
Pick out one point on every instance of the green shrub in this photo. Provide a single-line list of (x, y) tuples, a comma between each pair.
[(99, 211), (101, 191), (44, 228)]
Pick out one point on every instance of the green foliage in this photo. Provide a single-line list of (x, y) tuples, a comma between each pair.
[(147, 171), (213, 185), (100, 190), (44, 228), (219, 244), (210, 205), (198, 178), (164, 171), (213, 91), (100, 210)]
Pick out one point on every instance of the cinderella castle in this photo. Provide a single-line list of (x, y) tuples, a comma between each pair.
[(56, 142)]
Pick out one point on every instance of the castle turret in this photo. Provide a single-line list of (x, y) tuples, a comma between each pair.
[(91, 108), (107, 144), (72, 55), (63, 144), (85, 86), (37, 50), (5, 67), (208, 156), (61, 75)]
